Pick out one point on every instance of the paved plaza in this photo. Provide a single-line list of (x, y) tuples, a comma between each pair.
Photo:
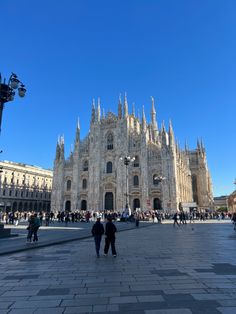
[(159, 269)]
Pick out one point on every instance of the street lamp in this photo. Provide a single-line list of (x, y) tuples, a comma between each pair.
[(7, 91), (127, 160)]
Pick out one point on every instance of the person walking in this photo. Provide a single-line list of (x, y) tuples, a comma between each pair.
[(175, 217), (30, 228), (110, 230), (36, 225), (97, 232)]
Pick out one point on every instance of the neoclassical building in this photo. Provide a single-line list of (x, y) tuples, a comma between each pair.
[(24, 187), (161, 176)]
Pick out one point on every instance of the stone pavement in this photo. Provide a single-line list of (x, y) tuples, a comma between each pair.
[(56, 233), (160, 269)]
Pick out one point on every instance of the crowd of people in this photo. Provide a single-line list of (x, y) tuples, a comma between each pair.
[(87, 216), (35, 220)]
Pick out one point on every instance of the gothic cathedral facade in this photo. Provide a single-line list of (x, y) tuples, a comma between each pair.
[(158, 174)]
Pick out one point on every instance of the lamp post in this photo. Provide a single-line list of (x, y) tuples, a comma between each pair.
[(7, 91), (127, 160)]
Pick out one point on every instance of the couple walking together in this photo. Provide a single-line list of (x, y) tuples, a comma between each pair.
[(98, 231)]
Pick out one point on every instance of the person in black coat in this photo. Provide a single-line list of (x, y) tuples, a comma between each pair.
[(110, 230), (97, 232)]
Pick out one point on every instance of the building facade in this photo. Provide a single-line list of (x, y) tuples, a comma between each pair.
[(221, 202), (232, 202), (24, 187), (160, 177)]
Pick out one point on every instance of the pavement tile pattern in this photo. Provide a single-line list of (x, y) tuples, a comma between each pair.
[(158, 270)]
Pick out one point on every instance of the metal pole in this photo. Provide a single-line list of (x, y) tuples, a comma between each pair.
[(127, 183)]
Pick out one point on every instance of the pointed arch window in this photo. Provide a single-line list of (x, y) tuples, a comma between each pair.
[(109, 167), (136, 181), (136, 161), (85, 165), (110, 141), (84, 184), (68, 185)]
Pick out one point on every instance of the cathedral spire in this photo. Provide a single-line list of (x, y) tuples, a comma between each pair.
[(58, 150), (125, 106), (138, 115), (120, 108), (153, 115), (163, 129), (133, 109), (186, 146), (150, 133), (171, 135), (99, 110), (198, 145), (144, 122), (202, 146), (163, 134), (93, 111), (62, 150), (77, 137)]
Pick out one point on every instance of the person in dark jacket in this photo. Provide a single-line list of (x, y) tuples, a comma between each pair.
[(97, 232), (110, 230)]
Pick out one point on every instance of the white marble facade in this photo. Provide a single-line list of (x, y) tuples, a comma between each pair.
[(94, 176)]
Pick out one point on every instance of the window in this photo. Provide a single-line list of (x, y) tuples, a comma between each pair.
[(155, 179), (3, 192), (136, 181), (68, 185), (10, 192), (85, 166), (84, 184), (110, 141), (16, 193), (109, 167), (136, 161)]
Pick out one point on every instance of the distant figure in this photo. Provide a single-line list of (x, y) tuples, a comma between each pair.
[(234, 220), (110, 231), (33, 227), (175, 217), (137, 220), (30, 228), (36, 225), (97, 232)]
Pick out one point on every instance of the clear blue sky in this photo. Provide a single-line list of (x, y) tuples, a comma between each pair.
[(68, 51)]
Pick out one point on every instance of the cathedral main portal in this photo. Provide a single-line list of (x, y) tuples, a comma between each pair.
[(109, 201)]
